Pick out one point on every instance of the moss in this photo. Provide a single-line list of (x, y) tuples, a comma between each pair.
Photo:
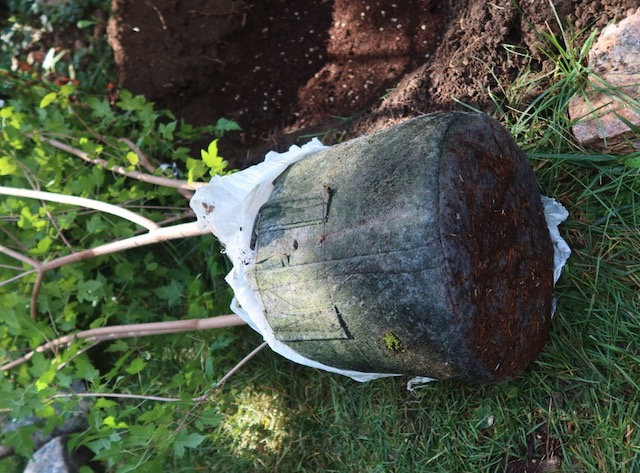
[(392, 342)]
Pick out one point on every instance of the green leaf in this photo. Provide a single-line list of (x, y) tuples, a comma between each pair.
[(21, 440), (136, 366), (158, 412), (190, 441), (45, 380), (110, 421), (633, 162), (103, 403), (67, 89), (48, 99), (95, 225), (6, 112), (209, 418), (124, 271), (99, 445), (99, 108), (82, 24), (89, 290), (127, 101), (133, 158), (42, 247), (39, 365), (85, 370), (46, 411), (166, 131), (227, 125), (170, 293), (7, 166), (209, 156), (196, 169)]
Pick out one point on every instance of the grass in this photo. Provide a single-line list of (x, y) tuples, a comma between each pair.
[(578, 402)]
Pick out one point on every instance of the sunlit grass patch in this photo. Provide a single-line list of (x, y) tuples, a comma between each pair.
[(257, 425)]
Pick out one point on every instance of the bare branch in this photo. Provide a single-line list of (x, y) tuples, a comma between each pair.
[(161, 234), (20, 257), (146, 397), (158, 180), (155, 236), (81, 202), (130, 331), (145, 163), (33, 307)]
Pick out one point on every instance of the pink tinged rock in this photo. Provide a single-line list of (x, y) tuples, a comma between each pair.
[(601, 111)]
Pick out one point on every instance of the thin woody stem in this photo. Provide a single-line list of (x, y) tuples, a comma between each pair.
[(155, 236), (140, 176), (130, 331), (20, 257), (145, 163), (146, 397), (81, 202)]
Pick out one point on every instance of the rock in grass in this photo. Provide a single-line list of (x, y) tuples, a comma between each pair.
[(52, 457), (421, 249), (603, 112)]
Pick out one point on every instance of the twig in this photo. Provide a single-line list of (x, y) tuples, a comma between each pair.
[(54, 224), (20, 257), (81, 202), (231, 372), (141, 176), (33, 306), (146, 397), (16, 240), (130, 331), (145, 163), (155, 236), (183, 230), (19, 276), (41, 268)]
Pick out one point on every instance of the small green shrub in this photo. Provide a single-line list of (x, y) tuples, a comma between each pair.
[(149, 284)]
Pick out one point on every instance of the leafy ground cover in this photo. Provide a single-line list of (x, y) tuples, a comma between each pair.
[(574, 409)]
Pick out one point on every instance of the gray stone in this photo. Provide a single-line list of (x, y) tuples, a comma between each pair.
[(614, 61), (421, 249), (50, 458)]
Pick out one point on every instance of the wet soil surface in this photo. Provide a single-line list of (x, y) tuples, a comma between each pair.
[(286, 70)]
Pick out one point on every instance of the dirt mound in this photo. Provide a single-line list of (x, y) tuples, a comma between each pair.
[(286, 69)]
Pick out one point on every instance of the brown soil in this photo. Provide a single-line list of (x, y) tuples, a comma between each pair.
[(285, 69)]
